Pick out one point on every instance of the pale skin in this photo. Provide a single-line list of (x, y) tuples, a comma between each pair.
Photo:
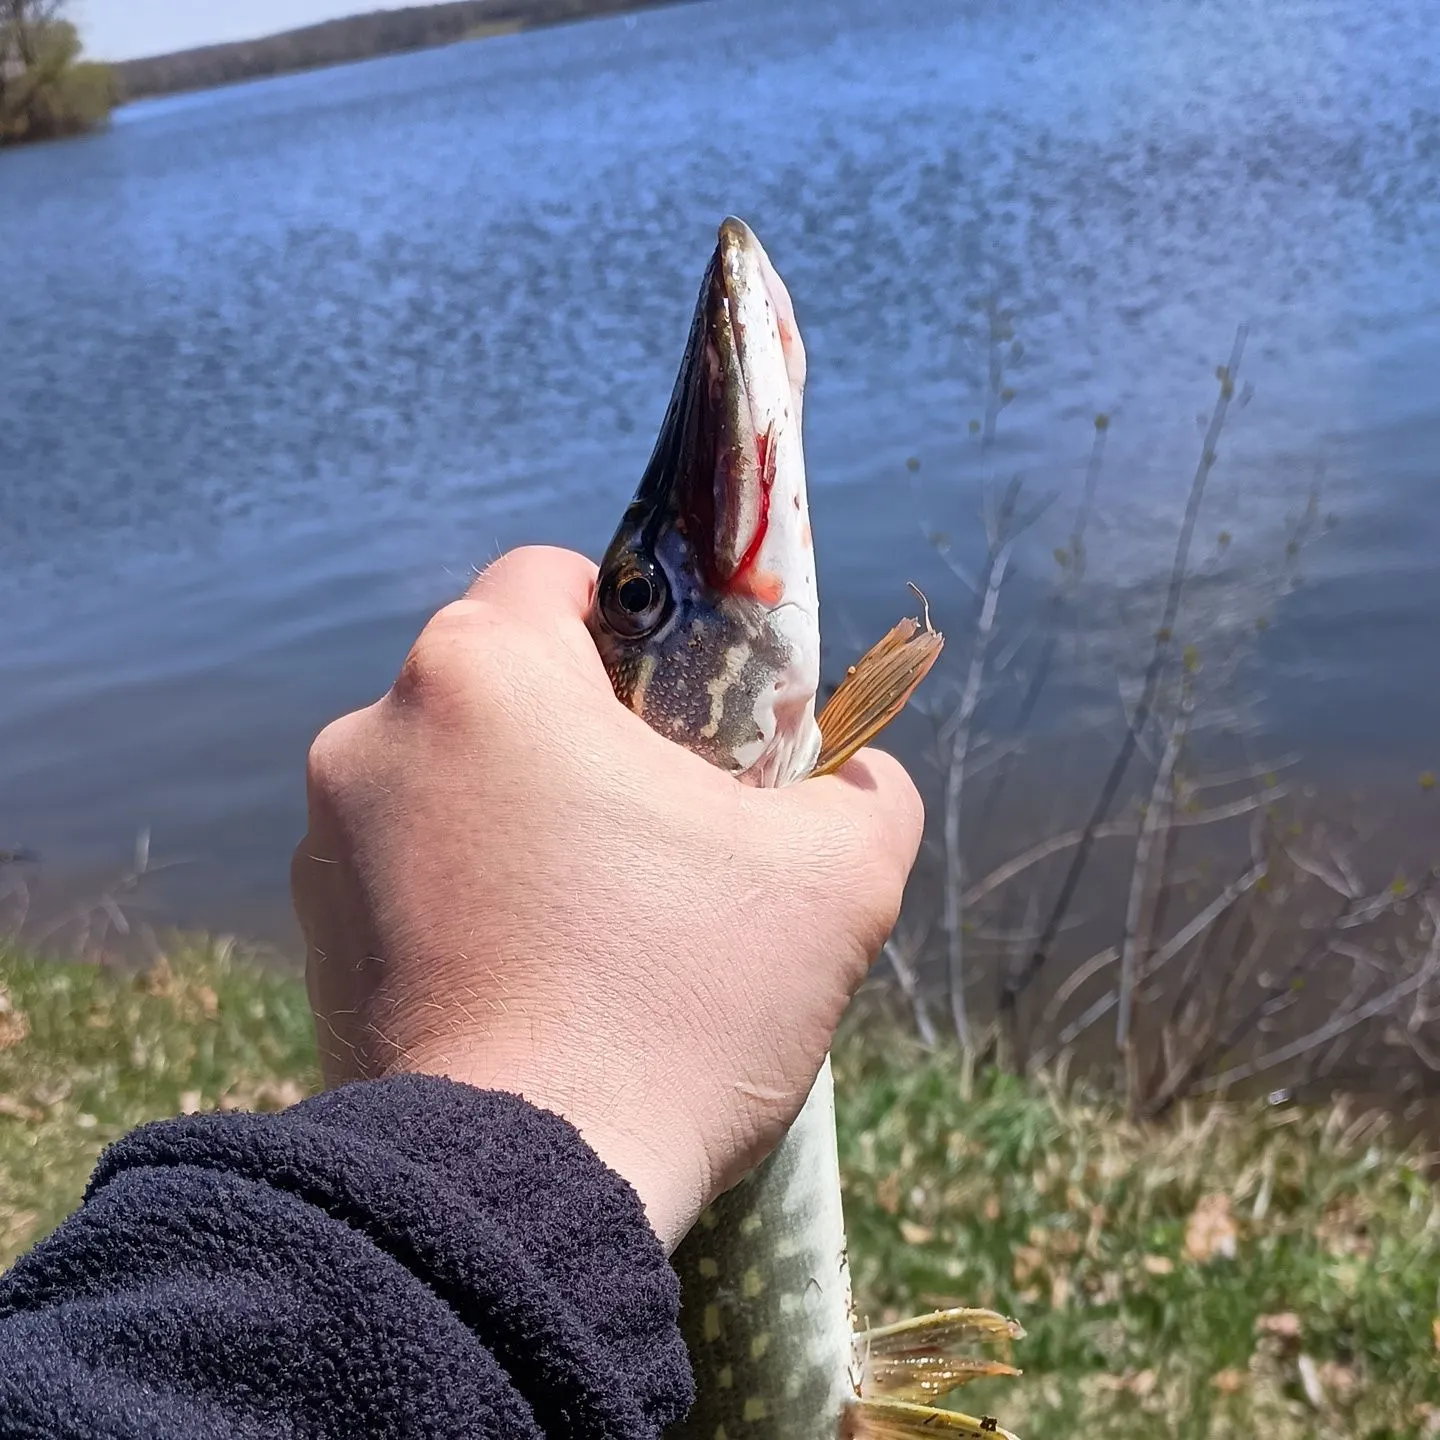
[(511, 880)]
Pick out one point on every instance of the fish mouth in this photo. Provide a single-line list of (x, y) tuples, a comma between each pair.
[(712, 474), (747, 296)]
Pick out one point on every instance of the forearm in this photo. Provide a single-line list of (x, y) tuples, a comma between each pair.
[(406, 1257)]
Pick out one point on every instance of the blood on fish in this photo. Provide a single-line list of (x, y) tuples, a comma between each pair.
[(759, 585), (763, 585)]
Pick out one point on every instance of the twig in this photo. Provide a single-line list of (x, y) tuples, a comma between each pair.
[(954, 786), (1142, 880), (1017, 984), (1327, 1032), (1059, 601), (1074, 981), (910, 984), (1339, 884), (1101, 1007), (1234, 777), (1111, 830), (1207, 917)]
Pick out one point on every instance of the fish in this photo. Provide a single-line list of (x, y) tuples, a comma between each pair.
[(706, 614)]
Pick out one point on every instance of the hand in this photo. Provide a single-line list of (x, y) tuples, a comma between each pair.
[(511, 880)]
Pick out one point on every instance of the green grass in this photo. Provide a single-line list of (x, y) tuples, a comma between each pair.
[(1241, 1270), (1244, 1268), (87, 1053)]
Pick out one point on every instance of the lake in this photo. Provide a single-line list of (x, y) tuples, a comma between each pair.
[(283, 363)]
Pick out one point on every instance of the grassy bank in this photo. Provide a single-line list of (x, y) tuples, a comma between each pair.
[(1238, 1269)]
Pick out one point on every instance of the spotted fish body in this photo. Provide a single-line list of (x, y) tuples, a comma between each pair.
[(706, 614)]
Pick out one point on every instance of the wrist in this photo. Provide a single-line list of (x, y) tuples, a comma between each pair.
[(665, 1177)]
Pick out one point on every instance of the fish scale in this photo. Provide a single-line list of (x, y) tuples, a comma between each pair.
[(765, 1292)]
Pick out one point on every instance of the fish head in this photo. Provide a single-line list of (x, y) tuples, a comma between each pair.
[(706, 609)]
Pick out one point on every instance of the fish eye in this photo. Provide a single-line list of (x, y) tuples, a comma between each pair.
[(635, 598)]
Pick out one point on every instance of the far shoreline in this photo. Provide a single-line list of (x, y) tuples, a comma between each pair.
[(354, 39)]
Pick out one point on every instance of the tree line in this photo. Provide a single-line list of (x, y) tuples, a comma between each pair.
[(359, 37), (46, 90)]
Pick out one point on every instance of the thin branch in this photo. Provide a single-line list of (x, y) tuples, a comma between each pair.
[(1327, 1032), (1111, 830), (1249, 773), (954, 786), (1101, 1007), (1207, 917), (1017, 984), (1074, 981), (1142, 880), (910, 984), (1059, 603)]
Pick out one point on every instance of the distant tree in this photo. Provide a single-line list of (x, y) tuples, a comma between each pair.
[(46, 90)]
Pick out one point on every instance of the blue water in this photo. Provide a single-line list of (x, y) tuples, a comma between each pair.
[(280, 364)]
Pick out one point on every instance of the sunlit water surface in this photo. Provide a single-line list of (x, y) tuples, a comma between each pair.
[(283, 363)]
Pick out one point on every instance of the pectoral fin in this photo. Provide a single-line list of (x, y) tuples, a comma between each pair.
[(875, 689)]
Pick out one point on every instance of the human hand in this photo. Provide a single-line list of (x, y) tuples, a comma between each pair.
[(511, 880)]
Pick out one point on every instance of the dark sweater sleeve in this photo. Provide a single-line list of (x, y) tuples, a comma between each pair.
[(403, 1258)]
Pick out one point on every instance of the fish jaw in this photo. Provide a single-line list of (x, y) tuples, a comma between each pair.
[(706, 610)]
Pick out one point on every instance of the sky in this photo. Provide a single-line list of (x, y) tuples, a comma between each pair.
[(123, 29)]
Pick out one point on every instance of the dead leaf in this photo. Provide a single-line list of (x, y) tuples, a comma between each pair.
[(1284, 1326), (1230, 1382), (50, 1093), (13, 1109), (14, 1026), (1211, 1232), (1338, 1381), (913, 1234), (209, 1001), (1028, 1262), (1159, 1264), (268, 1095), (159, 979), (1064, 1243), (1140, 1384), (1343, 1230), (887, 1193)]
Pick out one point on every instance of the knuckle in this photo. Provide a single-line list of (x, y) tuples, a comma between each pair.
[(440, 661), (330, 757)]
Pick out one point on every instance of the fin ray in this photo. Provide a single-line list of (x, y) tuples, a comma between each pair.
[(920, 1360), (897, 1420), (875, 689)]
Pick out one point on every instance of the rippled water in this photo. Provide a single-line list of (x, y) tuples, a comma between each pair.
[(281, 363)]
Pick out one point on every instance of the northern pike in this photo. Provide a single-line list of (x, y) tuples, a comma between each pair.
[(706, 614)]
